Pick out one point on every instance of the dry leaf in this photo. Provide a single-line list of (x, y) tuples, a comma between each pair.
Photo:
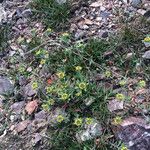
[(31, 106)]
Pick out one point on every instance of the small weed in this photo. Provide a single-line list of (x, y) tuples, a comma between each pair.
[(3, 38), (54, 15)]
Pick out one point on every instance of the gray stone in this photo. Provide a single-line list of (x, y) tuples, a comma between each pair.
[(28, 91), (146, 55), (136, 3), (105, 14), (3, 14), (17, 107), (5, 85), (134, 133), (27, 13), (41, 115), (79, 34), (135, 137)]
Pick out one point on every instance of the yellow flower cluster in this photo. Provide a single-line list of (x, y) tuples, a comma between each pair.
[(42, 62), (117, 120), (82, 85), (64, 96), (65, 34), (45, 107), (49, 30), (88, 121), (147, 39), (49, 89), (107, 74), (78, 121), (124, 147), (122, 82), (34, 85), (142, 83), (120, 97), (60, 118), (50, 102), (78, 68), (60, 75)]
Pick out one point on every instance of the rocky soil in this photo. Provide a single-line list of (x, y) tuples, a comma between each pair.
[(22, 124)]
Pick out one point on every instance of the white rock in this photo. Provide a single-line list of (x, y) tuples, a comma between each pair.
[(141, 11), (91, 131), (3, 14), (146, 55)]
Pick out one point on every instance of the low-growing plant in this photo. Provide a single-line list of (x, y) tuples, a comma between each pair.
[(4, 30), (52, 13)]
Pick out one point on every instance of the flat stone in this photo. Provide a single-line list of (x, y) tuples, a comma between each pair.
[(146, 55), (41, 115), (114, 105), (27, 13), (28, 91), (136, 3), (79, 34), (5, 85), (17, 107), (134, 133)]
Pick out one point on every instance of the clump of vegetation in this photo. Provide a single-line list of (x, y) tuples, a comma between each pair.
[(72, 94), (3, 37), (53, 14)]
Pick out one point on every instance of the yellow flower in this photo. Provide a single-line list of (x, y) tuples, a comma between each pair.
[(49, 89), (42, 61), (60, 118), (82, 85), (45, 107), (46, 55), (88, 121), (78, 93), (142, 83), (147, 39), (124, 147), (21, 69), (49, 30), (65, 34), (78, 68), (38, 52), (78, 121), (51, 102), (122, 82), (117, 120), (107, 74), (120, 96), (64, 96), (34, 85), (60, 75), (20, 39)]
